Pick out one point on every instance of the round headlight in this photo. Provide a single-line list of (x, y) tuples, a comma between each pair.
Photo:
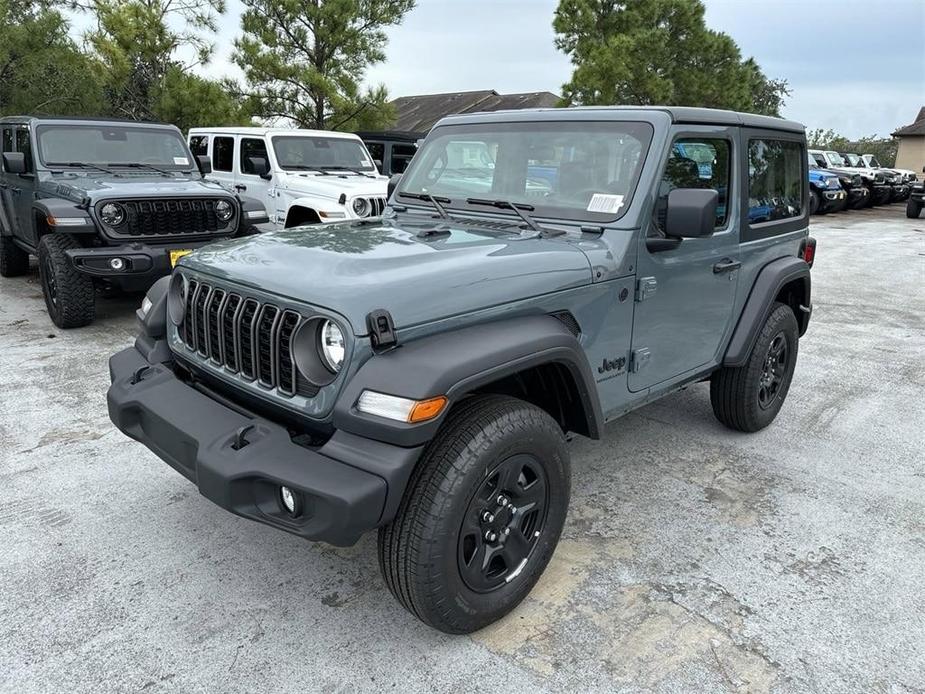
[(331, 345), (224, 210), (361, 207), (176, 298), (112, 214)]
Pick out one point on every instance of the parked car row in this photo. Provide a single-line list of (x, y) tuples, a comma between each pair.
[(844, 180)]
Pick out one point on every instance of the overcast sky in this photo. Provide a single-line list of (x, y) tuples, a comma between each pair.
[(856, 66)]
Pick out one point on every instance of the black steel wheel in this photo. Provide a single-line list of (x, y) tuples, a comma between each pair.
[(68, 293), (480, 517), (748, 398)]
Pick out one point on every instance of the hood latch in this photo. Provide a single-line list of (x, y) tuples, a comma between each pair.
[(381, 329)]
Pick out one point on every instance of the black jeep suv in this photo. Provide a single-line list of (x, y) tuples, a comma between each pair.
[(105, 204)]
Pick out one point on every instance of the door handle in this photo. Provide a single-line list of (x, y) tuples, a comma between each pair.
[(240, 188), (16, 191), (726, 265)]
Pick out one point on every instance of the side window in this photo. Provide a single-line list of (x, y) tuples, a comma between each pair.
[(820, 160), (376, 151), (401, 157), (24, 145), (775, 180), (6, 142), (222, 153), (199, 145), (697, 163), (251, 147)]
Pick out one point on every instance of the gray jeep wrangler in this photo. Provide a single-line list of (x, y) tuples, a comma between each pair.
[(536, 274), (105, 204)]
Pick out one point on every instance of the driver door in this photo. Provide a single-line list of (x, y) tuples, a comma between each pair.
[(246, 179), (686, 289)]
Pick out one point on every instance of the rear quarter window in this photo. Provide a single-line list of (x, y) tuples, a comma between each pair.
[(776, 179)]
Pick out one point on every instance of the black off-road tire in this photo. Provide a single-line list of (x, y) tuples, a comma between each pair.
[(14, 261), (815, 202), (69, 294), (913, 208), (422, 551), (246, 230), (740, 398)]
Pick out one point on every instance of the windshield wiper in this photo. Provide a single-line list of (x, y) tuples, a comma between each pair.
[(135, 165), (519, 209), (81, 165), (303, 167), (435, 201), (346, 168)]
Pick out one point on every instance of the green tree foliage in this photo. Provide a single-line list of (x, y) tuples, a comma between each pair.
[(884, 148), (304, 60), (189, 101), (41, 69), (649, 52)]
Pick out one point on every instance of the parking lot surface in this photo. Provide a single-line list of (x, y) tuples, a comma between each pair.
[(693, 559)]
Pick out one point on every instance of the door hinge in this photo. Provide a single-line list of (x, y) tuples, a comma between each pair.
[(638, 359), (645, 287)]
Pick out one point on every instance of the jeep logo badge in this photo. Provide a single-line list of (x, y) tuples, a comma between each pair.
[(617, 365)]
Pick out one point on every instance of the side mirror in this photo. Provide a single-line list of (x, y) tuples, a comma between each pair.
[(14, 162), (260, 166), (378, 163), (691, 213), (393, 184), (204, 163)]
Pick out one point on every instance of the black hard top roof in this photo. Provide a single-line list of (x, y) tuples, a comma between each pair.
[(81, 119), (400, 135)]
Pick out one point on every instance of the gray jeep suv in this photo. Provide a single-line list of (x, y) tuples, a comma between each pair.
[(536, 274), (105, 204)]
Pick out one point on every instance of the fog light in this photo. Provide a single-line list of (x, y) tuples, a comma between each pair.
[(117, 264), (290, 501)]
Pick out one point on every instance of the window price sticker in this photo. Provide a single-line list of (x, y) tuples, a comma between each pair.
[(608, 204)]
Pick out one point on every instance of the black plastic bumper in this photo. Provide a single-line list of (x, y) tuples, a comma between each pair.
[(142, 264), (347, 487), (880, 194), (833, 200)]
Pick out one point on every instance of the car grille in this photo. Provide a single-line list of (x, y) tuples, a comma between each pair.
[(377, 205), (251, 339), (168, 217)]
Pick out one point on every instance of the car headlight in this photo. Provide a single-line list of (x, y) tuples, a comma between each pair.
[(224, 210), (112, 214), (331, 345), (361, 207), (176, 298)]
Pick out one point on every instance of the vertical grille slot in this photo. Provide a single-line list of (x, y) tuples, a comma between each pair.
[(229, 319), (216, 303), (378, 205), (245, 329), (287, 376), (266, 358), (199, 313), (189, 325)]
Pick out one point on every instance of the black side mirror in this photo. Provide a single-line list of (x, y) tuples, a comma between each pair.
[(260, 166), (691, 213), (393, 184), (378, 163), (14, 162), (204, 163)]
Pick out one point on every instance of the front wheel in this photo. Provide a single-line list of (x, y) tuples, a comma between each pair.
[(68, 293), (913, 208), (481, 516), (749, 397), (815, 202)]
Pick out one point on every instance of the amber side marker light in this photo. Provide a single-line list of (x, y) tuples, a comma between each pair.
[(400, 409), (427, 409)]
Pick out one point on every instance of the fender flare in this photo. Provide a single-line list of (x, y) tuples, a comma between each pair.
[(457, 362), (770, 280), (56, 207), (252, 211), (314, 203)]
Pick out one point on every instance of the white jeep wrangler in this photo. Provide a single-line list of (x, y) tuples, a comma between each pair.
[(301, 176)]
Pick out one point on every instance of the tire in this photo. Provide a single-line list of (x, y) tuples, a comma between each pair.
[(913, 209), (431, 553), (742, 398), (246, 230), (68, 293), (14, 261), (815, 202)]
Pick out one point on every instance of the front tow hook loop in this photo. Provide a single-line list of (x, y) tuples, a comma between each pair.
[(139, 374), (239, 440)]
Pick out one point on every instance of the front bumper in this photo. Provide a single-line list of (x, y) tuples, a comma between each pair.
[(857, 197), (880, 194), (900, 192), (143, 264), (198, 435), (833, 200)]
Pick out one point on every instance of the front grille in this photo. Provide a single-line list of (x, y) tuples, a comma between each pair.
[(246, 337), (377, 205), (170, 217)]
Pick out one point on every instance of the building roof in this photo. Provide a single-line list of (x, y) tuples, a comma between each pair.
[(917, 128), (419, 113)]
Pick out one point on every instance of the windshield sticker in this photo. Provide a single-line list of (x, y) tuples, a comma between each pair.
[(608, 204), (181, 161)]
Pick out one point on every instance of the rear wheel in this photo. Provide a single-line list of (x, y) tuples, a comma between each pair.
[(481, 516), (68, 293), (14, 261), (913, 208), (749, 397)]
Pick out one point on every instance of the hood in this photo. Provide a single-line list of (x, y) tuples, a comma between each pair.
[(357, 267), (79, 187), (332, 185), (821, 175)]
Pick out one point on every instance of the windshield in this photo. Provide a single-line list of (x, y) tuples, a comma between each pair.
[(873, 162), (572, 170), (812, 162), (305, 153), (834, 158), (112, 145), (853, 160)]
